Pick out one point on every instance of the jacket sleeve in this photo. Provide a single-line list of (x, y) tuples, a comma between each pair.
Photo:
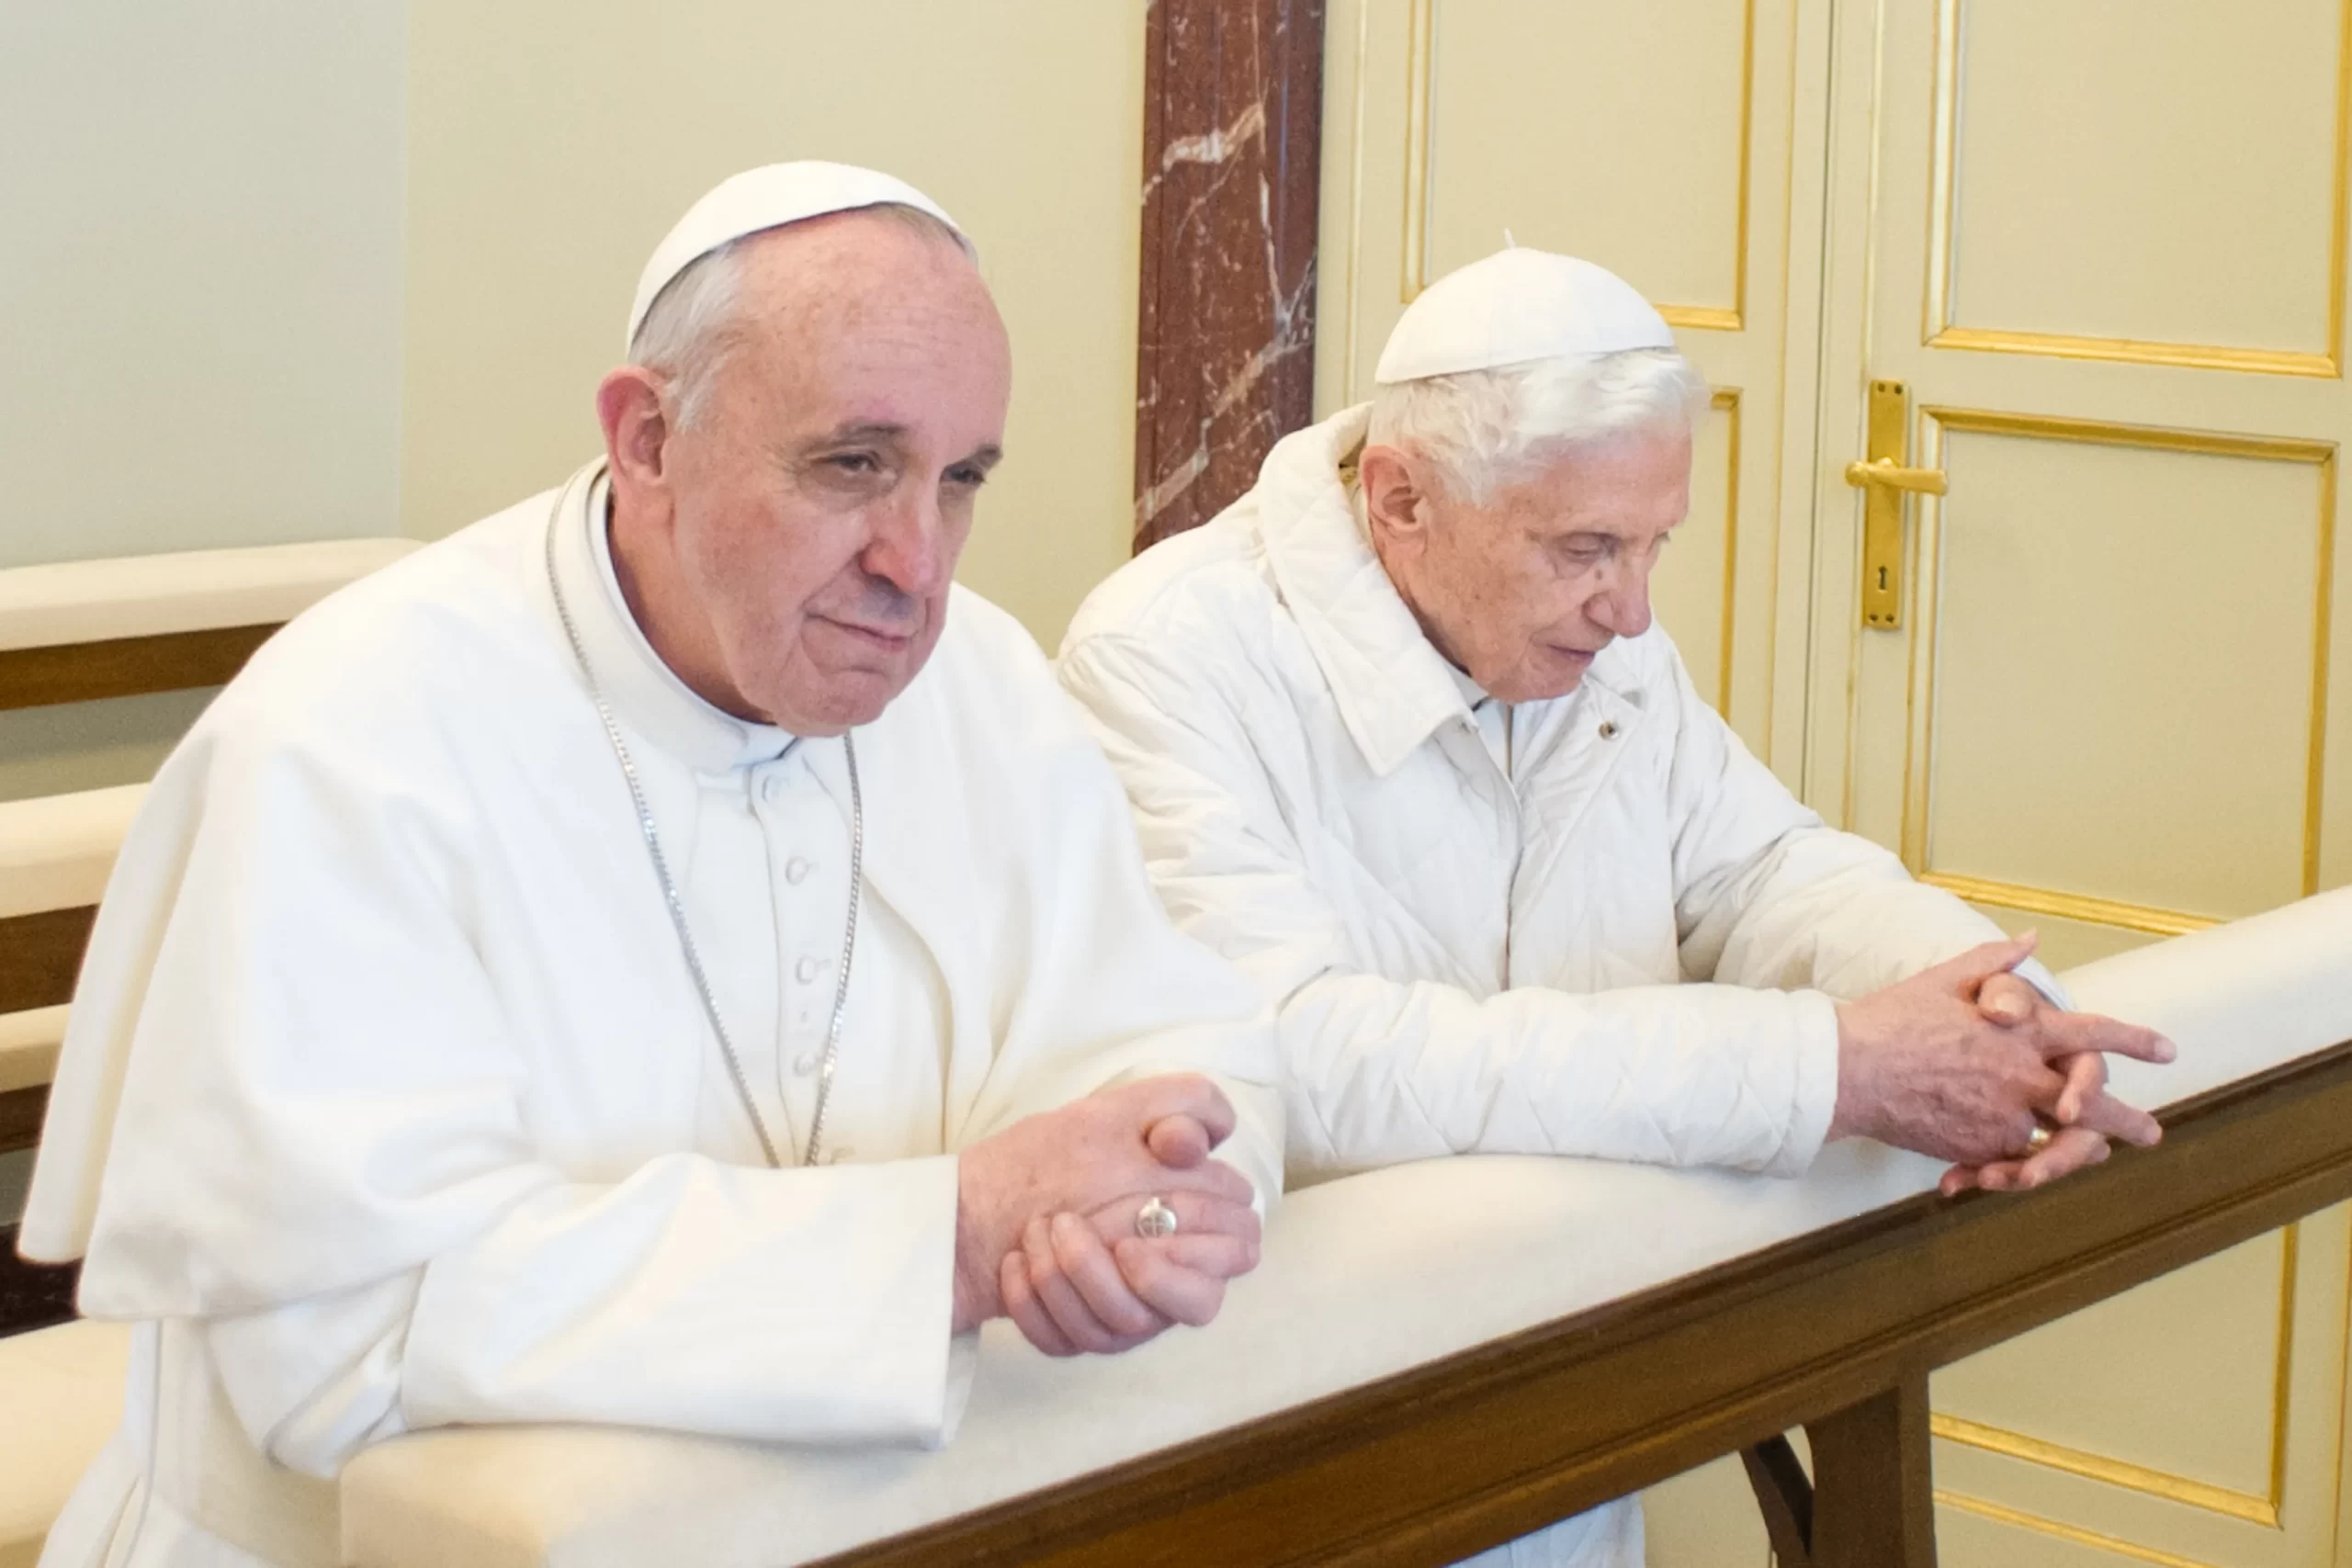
[(1767, 895), (1110, 991), (1380, 1071), (321, 1151)]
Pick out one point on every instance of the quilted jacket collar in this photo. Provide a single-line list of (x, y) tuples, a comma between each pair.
[(1391, 687)]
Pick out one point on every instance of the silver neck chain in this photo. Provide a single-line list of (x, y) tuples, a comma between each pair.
[(678, 907)]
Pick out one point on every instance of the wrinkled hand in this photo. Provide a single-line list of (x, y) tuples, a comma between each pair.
[(1153, 1136), (2083, 1118), (1963, 1061), (1089, 1283)]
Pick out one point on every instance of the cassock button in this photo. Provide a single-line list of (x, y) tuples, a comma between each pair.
[(1608, 730), (808, 969), (804, 1064), (772, 787), (796, 871)]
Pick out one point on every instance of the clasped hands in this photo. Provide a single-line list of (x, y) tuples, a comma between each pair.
[(1965, 1060), (1045, 1218)]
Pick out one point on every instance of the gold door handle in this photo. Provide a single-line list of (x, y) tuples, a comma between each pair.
[(1882, 472), (1884, 480)]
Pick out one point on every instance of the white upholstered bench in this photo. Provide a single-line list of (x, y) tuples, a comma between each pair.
[(76, 631), (73, 632), (55, 854), (62, 1389)]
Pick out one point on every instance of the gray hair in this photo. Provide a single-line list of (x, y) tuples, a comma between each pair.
[(694, 323), (1483, 429)]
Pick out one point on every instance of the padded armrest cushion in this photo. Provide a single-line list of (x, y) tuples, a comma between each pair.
[(99, 601), (1361, 1278), (29, 1043), (57, 850), (62, 1390)]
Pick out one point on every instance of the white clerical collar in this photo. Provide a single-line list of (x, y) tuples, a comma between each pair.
[(645, 694)]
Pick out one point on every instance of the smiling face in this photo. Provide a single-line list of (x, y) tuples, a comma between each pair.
[(789, 553), (1520, 590)]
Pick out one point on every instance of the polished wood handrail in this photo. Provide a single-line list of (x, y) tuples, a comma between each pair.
[(126, 666), (41, 956), (1837, 1328)]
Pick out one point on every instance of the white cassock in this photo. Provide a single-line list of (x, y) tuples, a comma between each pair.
[(1479, 922), (389, 1101)]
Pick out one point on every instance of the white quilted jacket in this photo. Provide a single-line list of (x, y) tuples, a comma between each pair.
[(1626, 949)]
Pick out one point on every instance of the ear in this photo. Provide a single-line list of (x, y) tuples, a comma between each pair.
[(637, 432), (1395, 503)]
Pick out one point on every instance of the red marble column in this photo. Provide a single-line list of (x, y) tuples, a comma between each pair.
[(1233, 119)]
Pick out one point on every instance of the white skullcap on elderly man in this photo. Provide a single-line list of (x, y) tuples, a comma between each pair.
[(769, 197), (1515, 307)]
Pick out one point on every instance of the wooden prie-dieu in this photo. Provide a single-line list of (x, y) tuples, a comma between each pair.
[(1835, 1332)]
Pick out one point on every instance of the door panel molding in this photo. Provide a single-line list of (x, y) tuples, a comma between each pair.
[(2073, 1534), (1420, 131), (1728, 399), (2030, 900), (2227, 1501), (1919, 703), (1944, 229)]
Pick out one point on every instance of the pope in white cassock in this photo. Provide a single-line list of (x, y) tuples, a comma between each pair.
[(1403, 740), (663, 955)]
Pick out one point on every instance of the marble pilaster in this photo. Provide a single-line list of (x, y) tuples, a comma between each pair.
[(1232, 164)]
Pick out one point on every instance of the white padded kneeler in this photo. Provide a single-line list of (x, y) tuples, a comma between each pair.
[(56, 851), (29, 1044), (61, 1390), (1361, 1277)]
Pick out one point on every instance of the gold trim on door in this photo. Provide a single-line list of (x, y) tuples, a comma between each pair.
[(2068, 905), (2227, 1501), (1419, 64), (1919, 700), (1421, 146), (2075, 1534), (1728, 399), (1937, 328)]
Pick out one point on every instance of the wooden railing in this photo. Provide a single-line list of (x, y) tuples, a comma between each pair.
[(1835, 1332), (87, 630), (82, 631)]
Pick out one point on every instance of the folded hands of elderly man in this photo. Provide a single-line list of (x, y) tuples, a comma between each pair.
[(1965, 1061), (1047, 1213)]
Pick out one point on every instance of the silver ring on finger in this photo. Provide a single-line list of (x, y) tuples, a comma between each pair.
[(1155, 1220)]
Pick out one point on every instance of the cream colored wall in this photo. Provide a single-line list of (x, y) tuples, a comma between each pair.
[(284, 271), (552, 142), (201, 340), (199, 257)]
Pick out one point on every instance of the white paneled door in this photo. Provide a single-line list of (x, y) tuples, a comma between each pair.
[(2082, 265)]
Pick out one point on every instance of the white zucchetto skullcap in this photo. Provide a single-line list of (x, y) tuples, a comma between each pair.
[(1515, 307), (767, 198)]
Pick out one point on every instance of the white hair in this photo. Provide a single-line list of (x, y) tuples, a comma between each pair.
[(693, 325), (1484, 429)]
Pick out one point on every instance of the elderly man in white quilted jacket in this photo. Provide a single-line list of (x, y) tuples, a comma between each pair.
[(1404, 740)]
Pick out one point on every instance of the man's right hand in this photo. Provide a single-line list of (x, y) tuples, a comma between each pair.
[(1920, 1066), (1149, 1138)]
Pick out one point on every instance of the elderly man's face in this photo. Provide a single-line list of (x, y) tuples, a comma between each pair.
[(1523, 590), (816, 510)]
